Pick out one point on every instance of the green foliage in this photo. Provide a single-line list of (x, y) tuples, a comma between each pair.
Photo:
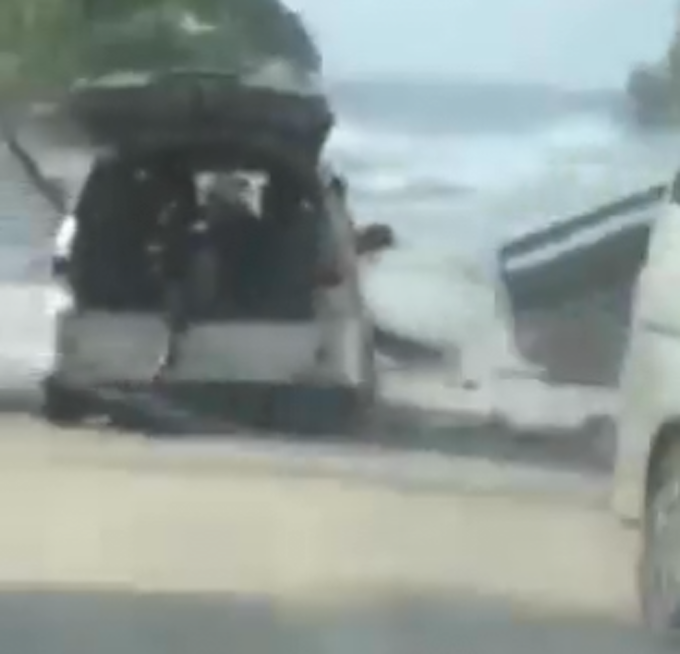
[(649, 90), (45, 45), (38, 44)]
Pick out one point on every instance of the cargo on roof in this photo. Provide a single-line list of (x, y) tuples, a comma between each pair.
[(56, 43), (267, 111)]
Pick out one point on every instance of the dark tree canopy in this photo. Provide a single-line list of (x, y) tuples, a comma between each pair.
[(654, 89), (45, 45)]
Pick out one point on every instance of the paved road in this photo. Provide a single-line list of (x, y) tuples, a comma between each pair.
[(114, 545), (88, 622)]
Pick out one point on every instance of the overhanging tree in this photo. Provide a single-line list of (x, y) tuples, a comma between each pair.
[(45, 45)]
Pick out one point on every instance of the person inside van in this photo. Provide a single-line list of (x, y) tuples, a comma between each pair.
[(227, 237), (288, 251)]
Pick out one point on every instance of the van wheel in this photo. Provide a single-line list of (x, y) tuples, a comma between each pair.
[(320, 411), (61, 405), (328, 411), (354, 408), (659, 569), (353, 411)]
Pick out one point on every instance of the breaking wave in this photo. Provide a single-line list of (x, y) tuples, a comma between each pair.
[(386, 163)]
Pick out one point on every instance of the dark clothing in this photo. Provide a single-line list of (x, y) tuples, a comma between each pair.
[(288, 253), (178, 238), (109, 259), (177, 224), (176, 302)]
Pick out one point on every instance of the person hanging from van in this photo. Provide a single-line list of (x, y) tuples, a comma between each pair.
[(177, 233), (198, 244), (219, 247)]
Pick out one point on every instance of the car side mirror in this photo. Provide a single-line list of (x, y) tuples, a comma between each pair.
[(375, 238)]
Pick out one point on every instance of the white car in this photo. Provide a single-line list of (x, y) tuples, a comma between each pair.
[(251, 356), (647, 473)]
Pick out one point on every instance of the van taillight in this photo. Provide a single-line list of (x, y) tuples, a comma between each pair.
[(329, 276)]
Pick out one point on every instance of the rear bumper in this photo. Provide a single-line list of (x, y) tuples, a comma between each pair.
[(100, 348)]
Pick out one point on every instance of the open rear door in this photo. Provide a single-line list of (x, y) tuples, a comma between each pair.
[(570, 287)]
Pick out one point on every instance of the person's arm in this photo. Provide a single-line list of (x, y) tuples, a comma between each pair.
[(374, 238)]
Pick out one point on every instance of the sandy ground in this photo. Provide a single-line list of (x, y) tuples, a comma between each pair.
[(114, 544)]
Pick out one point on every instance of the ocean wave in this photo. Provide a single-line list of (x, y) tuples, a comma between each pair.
[(586, 132), (403, 183), (448, 303), (382, 162)]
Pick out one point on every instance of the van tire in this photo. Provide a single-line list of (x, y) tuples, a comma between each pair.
[(62, 406), (327, 410), (659, 595), (360, 403), (318, 411)]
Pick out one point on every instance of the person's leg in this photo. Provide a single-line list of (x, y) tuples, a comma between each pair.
[(176, 320)]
